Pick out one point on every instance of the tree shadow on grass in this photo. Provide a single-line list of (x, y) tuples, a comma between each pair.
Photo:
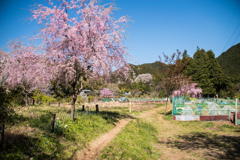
[(41, 121), (20, 146), (167, 114), (110, 116), (17, 118), (114, 116), (214, 146)]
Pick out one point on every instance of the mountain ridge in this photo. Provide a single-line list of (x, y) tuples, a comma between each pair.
[(230, 61)]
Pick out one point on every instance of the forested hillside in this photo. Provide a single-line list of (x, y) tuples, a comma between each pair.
[(212, 74), (230, 61), (152, 68)]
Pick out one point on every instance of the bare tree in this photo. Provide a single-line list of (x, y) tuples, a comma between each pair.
[(172, 73)]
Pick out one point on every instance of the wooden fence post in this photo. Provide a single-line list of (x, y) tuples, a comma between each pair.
[(87, 109), (39, 103), (52, 122), (58, 104), (1, 135), (83, 109), (97, 109), (236, 112), (130, 107), (49, 103), (33, 102)]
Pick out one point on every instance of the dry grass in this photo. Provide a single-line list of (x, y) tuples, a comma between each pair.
[(197, 140), (186, 140)]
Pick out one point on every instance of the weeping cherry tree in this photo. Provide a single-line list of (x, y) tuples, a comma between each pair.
[(83, 41)]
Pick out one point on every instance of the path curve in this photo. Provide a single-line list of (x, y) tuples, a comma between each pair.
[(95, 147)]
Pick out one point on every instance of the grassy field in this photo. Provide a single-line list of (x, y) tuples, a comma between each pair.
[(29, 133), (149, 135), (134, 142), (158, 137)]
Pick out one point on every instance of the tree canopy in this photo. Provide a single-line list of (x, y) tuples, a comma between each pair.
[(82, 42), (206, 71)]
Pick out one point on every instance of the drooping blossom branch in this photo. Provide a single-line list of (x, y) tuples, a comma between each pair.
[(190, 90), (26, 69), (83, 41)]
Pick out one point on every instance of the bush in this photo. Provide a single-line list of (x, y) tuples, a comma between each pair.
[(5, 107), (80, 99), (17, 97), (90, 99), (193, 99), (69, 99), (59, 99), (39, 96)]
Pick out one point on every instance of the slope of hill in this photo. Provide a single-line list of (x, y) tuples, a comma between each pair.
[(152, 68), (230, 61)]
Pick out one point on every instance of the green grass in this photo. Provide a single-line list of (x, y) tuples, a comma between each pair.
[(29, 133), (160, 105), (135, 141)]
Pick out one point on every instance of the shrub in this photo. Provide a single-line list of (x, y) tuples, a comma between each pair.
[(90, 99), (39, 96), (80, 99), (5, 107)]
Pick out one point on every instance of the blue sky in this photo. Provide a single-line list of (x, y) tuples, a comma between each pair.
[(157, 25)]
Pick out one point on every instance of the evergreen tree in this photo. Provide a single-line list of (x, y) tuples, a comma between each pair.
[(206, 71)]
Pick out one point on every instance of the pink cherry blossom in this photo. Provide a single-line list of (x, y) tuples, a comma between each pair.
[(27, 70), (189, 90), (105, 92), (83, 41)]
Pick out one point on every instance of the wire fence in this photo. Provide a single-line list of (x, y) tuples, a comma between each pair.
[(147, 99), (204, 107)]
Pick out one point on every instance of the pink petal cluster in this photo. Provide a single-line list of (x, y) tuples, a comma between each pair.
[(88, 42), (105, 92), (189, 90), (27, 69)]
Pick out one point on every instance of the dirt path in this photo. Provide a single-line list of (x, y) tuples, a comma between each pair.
[(95, 147), (167, 132)]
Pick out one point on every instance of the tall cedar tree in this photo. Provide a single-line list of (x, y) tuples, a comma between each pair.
[(206, 71)]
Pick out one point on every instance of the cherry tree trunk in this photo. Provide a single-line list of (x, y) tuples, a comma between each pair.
[(74, 98), (26, 99)]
